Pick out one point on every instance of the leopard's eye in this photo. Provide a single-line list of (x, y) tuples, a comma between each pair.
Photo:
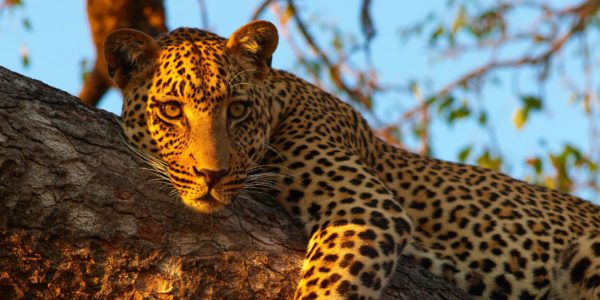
[(237, 109), (171, 110)]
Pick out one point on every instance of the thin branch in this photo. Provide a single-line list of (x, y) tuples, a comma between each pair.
[(583, 12), (203, 14), (334, 70), (261, 9), (278, 12), (530, 60)]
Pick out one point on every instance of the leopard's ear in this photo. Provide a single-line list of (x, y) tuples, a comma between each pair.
[(128, 53), (256, 41)]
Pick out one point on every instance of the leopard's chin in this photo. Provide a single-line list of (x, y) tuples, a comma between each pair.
[(207, 203)]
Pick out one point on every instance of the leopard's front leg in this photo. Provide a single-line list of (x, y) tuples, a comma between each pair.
[(357, 231)]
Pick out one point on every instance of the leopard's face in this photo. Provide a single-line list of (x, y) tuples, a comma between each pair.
[(201, 108)]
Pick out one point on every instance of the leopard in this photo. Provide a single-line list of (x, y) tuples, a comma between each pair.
[(223, 124)]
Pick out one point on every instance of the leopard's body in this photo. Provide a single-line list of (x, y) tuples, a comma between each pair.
[(225, 124)]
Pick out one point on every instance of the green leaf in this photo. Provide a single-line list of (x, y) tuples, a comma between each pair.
[(337, 42), (550, 183), (520, 117), (459, 113), (84, 68), (415, 90), (562, 179), (418, 130), (429, 101), (436, 34), (587, 104), (26, 24), (314, 67), (482, 118), (445, 103), (537, 165), (464, 153), (570, 150), (287, 14), (13, 3), (25, 56), (531, 103), (460, 20), (486, 160)]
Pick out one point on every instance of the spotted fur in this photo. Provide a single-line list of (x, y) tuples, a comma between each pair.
[(227, 126)]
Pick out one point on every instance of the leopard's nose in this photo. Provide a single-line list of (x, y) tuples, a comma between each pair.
[(211, 177)]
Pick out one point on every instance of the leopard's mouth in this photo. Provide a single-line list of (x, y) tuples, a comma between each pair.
[(212, 197), (209, 202), (208, 198)]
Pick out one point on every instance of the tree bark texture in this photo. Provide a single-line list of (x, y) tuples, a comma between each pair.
[(81, 218)]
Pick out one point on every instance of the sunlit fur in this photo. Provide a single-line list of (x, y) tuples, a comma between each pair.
[(362, 201), (205, 137)]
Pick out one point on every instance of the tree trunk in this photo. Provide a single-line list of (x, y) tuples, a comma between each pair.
[(79, 217), (106, 16)]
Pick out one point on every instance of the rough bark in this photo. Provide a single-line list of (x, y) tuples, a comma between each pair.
[(79, 218)]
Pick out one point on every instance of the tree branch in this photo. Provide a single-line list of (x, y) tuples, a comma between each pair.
[(581, 13), (261, 9), (334, 70)]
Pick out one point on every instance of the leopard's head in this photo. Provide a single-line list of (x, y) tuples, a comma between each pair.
[(198, 103)]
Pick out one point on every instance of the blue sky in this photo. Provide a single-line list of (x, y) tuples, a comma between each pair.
[(59, 40)]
